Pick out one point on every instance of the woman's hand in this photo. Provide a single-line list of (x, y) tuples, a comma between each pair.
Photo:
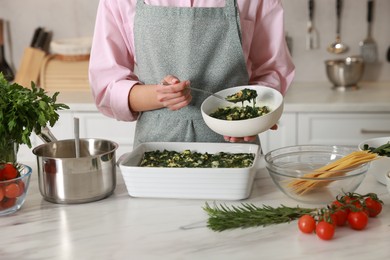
[(246, 138), (174, 94)]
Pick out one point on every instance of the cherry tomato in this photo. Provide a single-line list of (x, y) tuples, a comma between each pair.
[(325, 230), (341, 217), (340, 212), (1, 193), (373, 207), (9, 171), (7, 203), (12, 190), (357, 220), (306, 224), (22, 187)]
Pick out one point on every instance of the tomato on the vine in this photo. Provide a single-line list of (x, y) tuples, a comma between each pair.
[(325, 230), (357, 220), (1, 193), (374, 207), (12, 190), (9, 171), (306, 224)]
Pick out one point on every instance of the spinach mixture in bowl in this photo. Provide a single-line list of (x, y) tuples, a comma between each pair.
[(244, 112), (190, 159)]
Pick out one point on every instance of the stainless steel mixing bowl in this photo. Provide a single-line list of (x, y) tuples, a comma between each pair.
[(63, 178), (345, 73)]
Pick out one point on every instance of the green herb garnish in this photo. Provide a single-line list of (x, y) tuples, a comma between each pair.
[(24, 110), (383, 150), (248, 215)]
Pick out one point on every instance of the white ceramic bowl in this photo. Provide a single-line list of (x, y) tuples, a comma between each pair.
[(188, 183), (379, 168), (388, 181), (266, 96)]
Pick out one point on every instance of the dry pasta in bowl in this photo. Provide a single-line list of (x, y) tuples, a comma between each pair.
[(317, 173)]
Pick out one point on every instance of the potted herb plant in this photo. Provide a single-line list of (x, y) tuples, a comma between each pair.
[(23, 111)]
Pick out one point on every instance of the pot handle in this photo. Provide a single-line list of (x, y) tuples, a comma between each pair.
[(46, 135)]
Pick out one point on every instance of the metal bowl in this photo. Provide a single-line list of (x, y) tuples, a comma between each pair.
[(345, 73), (65, 179)]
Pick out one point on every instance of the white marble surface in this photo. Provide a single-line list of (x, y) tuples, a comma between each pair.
[(122, 227)]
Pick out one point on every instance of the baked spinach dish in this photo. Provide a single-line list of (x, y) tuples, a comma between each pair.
[(239, 113), (382, 150), (191, 159), (245, 94), (242, 112)]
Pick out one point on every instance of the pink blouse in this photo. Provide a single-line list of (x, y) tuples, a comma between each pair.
[(113, 60)]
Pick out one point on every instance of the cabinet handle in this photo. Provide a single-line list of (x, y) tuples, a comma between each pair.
[(365, 131)]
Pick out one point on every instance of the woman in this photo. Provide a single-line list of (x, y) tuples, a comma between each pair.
[(147, 53)]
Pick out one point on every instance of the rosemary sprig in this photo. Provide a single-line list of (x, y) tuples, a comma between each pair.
[(247, 215)]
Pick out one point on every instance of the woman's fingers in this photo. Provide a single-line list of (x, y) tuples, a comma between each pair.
[(240, 139), (174, 94)]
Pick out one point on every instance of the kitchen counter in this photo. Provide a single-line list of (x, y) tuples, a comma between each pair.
[(122, 227), (301, 97)]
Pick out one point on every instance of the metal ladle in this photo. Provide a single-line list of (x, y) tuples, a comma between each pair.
[(77, 136), (338, 47)]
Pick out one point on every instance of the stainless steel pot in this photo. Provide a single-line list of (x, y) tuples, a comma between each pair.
[(65, 179)]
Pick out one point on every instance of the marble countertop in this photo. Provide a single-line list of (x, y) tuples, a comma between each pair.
[(123, 227), (301, 97)]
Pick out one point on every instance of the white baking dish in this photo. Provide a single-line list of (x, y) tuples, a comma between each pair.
[(188, 183)]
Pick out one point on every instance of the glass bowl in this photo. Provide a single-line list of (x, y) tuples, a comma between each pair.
[(13, 192), (288, 166)]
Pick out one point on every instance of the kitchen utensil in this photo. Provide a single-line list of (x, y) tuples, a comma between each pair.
[(203, 91), (345, 73), (188, 183), (4, 67), (380, 167), (10, 206), (290, 164), (368, 47), (32, 59), (77, 137), (65, 179), (311, 34), (266, 96), (338, 47), (209, 93)]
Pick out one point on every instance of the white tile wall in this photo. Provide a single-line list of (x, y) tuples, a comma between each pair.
[(74, 18)]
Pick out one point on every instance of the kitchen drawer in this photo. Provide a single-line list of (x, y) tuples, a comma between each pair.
[(341, 128)]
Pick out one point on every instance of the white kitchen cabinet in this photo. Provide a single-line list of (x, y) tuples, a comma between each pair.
[(92, 125), (341, 128), (299, 128), (285, 135)]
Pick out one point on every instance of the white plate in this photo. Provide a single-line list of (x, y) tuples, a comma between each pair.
[(379, 168), (188, 183)]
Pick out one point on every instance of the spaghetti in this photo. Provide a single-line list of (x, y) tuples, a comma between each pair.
[(334, 169)]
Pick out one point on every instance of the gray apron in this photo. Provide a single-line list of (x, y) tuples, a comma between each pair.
[(202, 45)]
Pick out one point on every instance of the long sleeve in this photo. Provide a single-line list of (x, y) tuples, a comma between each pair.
[(111, 68), (269, 62)]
